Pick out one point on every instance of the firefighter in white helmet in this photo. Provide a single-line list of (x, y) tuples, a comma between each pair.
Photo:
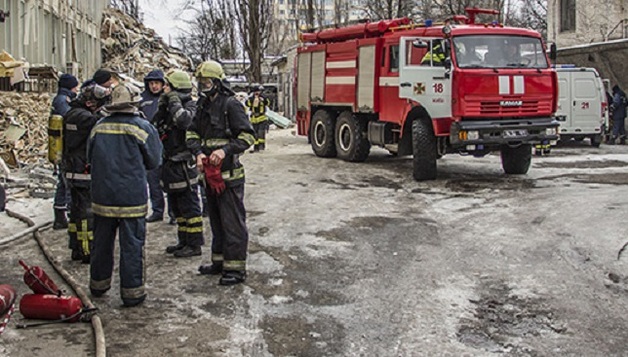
[(219, 133)]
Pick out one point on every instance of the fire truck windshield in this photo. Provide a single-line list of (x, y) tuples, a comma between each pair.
[(498, 51)]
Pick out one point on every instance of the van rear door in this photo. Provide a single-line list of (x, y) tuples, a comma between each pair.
[(586, 104)]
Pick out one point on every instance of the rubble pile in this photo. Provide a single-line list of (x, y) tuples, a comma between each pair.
[(24, 124), (131, 48)]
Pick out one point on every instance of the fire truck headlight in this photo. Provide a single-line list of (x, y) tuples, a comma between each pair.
[(473, 135), (550, 131)]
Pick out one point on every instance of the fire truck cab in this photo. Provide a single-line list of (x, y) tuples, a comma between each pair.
[(426, 90)]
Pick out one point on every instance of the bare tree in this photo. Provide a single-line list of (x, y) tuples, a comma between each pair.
[(255, 19), (129, 7), (389, 9), (341, 12), (212, 33)]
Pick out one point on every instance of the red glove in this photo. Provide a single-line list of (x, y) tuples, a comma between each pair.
[(213, 177)]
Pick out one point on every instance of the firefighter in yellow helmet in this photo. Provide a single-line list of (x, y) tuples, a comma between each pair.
[(219, 133), (179, 177), (257, 104)]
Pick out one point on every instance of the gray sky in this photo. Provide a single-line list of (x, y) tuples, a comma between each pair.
[(162, 16)]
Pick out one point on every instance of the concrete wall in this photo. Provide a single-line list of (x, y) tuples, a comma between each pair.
[(54, 32), (596, 21)]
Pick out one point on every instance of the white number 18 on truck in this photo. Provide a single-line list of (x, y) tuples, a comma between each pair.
[(426, 90)]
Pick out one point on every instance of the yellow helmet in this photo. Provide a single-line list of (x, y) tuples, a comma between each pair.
[(178, 79), (210, 69)]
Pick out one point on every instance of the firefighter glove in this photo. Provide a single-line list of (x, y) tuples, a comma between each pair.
[(213, 177), (85, 239)]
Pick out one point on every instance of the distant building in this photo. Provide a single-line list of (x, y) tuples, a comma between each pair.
[(577, 22), (64, 34)]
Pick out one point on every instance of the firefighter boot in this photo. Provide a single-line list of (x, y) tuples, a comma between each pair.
[(174, 248), (77, 254), (188, 251), (213, 269), (232, 277), (61, 220)]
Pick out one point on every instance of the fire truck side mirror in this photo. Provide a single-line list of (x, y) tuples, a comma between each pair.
[(552, 53)]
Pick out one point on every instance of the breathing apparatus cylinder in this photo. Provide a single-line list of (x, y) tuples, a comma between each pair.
[(55, 138)]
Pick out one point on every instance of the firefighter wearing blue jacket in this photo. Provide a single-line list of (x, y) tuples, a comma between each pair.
[(78, 122), (122, 148), (179, 177)]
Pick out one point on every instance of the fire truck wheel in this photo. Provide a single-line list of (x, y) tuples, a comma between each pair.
[(322, 134), (596, 140), (424, 153), (351, 142), (516, 161)]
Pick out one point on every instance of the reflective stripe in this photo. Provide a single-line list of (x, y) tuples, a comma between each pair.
[(190, 135), (75, 176), (261, 141), (71, 227), (182, 184), (195, 220), (257, 120), (120, 129), (100, 284), (120, 212), (239, 265), (195, 229), (132, 293), (234, 174), (248, 138), (218, 257), (179, 113), (180, 220), (212, 143)]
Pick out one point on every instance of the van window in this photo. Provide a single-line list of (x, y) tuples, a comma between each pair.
[(585, 88)]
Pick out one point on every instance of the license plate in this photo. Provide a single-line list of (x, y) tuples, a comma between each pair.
[(515, 133)]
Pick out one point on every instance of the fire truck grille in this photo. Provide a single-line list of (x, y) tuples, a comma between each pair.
[(507, 107)]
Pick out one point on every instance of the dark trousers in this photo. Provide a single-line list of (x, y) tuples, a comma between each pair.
[(230, 237), (62, 194), (81, 225), (619, 128), (186, 208), (132, 233), (260, 135), (157, 201)]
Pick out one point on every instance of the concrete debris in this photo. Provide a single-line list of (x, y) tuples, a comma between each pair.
[(24, 123), (130, 47)]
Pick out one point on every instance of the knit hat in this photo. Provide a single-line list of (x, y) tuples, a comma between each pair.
[(102, 76), (68, 81)]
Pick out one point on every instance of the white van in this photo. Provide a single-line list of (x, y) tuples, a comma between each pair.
[(582, 104)]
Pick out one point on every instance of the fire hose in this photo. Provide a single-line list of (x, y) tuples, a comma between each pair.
[(99, 335)]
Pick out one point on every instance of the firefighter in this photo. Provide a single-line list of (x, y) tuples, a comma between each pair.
[(435, 57), (68, 89), (179, 177), (257, 105), (78, 122), (122, 148), (219, 133), (153, 88)]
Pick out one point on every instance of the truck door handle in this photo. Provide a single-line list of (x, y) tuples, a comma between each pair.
[(405, 84), (574, 103)]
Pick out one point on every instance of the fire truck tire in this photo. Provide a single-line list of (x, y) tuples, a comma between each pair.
[(596, 140), (322, 134), (424, 153), (350, 136), (516, 161)]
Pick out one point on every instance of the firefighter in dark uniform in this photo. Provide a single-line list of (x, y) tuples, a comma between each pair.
[(78, 122), (257, 105), (122, 148), (219, 133), (179, 177)]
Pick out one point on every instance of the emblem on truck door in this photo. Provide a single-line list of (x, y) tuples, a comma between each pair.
[(419, 88), (511, 103)]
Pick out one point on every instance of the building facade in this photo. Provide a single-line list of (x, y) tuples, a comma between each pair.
[(64, 34), (577, 22)]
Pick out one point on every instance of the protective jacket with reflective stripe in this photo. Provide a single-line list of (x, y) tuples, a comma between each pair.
[(77, 124), (221, 123), (122, 147), (258, 112)]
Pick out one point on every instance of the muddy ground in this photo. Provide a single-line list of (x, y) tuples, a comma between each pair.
[(361, 260)]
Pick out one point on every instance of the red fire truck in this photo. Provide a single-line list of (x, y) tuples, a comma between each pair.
[(426, 90)]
